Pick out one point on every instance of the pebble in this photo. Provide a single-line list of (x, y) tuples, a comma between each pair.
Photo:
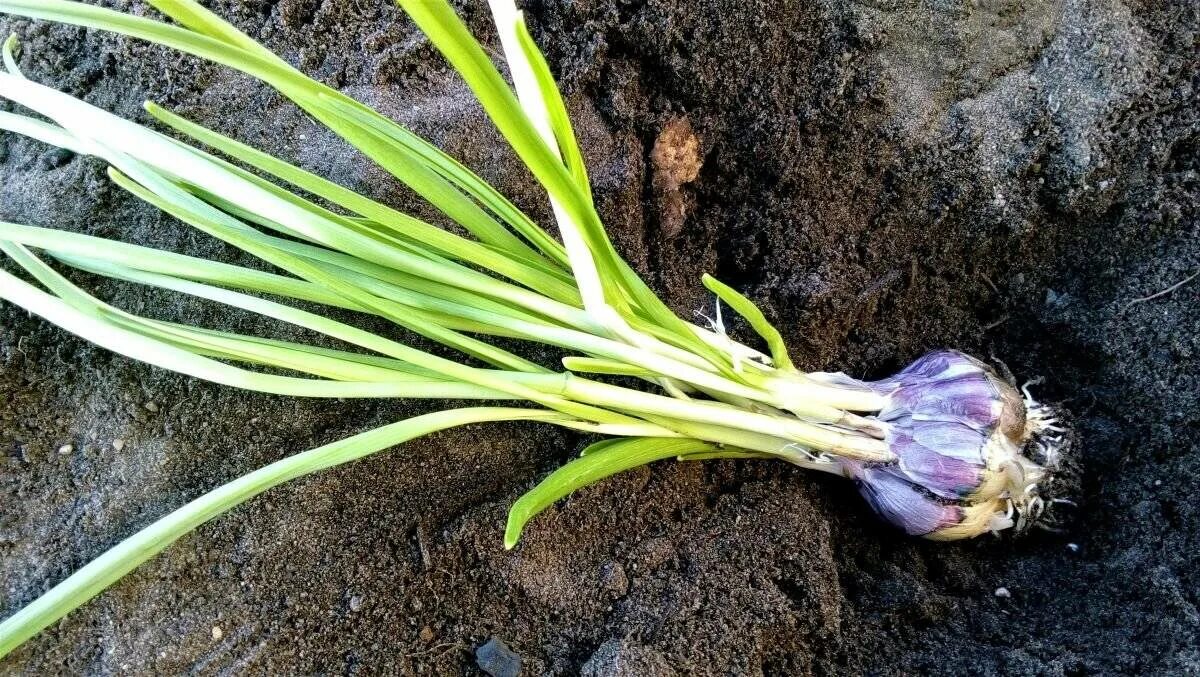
[(427, 634), (652, 553), (56, 158), (497, 660), (151, 407), (118, 444), (1002, 593), (66, 449), (356, 603), (1073, 547), (217, 633), (614, 579)]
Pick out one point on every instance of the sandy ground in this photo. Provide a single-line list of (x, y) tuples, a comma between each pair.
[(883, 177)]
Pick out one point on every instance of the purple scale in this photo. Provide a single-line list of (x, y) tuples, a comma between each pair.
[(942, 410), (904, 505)]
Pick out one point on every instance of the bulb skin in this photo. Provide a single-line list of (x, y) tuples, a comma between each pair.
[(958, 431)]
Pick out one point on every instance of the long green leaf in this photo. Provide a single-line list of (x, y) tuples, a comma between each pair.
[(410, 145), (231, 48), (151, 260), (406, 316), (201, 20), (621, 284), (147, 349), (527, 271), (560, 121), (107, 569), (610, 458)]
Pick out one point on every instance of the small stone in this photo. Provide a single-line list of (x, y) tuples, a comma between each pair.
[(427, 634), (56, 158), (614, 579), (496, 659), (118, 444), (66, 449), (652, 553), (217, 633), (1073, 547), (356, 603), (151, 407), (1002, 593)]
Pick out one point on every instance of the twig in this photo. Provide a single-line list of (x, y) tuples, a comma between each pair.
[(1164, 292), (989, 282), (996, 323)]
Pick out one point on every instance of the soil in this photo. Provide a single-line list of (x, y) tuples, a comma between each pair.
[(883, 177)]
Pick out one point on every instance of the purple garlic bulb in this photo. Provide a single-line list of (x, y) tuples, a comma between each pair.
[(958, 431)]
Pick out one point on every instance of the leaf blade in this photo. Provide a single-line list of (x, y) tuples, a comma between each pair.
[(609, 458)]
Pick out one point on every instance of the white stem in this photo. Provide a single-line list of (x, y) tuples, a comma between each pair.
[(583, 265), (841, 443)]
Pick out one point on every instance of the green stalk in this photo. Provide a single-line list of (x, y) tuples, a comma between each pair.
[(849, 445)]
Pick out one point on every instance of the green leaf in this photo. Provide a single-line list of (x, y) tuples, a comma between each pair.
[(81, 317), (257, 62), (746, 308), (194, 16), (9, 50), (217, 224), (601, 445), (610, 458), (215, 40), (451, 169), (592, 365), (560, 121), (728, 455), (427, 183), (528, 269), (63, 243), (160, 195), (621, 284), (448, 33)]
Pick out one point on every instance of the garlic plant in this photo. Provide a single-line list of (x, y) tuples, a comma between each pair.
[(936, 450)]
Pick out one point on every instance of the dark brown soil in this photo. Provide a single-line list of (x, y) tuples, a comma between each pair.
[(884, 177)]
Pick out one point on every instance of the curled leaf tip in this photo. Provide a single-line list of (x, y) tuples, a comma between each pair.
[(512, 534)]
